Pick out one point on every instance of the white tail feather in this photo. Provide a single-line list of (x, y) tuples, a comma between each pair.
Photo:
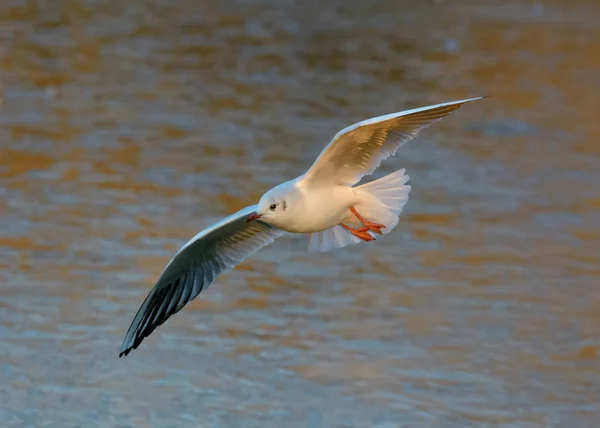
[(382, 202)]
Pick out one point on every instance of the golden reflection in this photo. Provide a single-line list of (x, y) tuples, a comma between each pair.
[(136, 188), (21, 243), (17, 162), (127, 155)]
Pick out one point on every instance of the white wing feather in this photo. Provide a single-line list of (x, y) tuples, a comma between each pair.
[(358, 150), (194, 267)]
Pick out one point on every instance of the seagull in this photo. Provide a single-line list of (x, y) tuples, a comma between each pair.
[(325, 202)]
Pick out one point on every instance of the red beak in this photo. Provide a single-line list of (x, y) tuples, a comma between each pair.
[(253, 217)]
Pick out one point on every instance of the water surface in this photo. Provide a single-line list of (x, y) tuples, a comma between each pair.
[(126, 127)]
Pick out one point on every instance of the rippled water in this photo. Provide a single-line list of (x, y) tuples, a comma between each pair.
[(128, 126)]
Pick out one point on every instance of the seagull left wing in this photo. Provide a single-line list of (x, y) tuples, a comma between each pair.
[(196, 265), (358, 150)]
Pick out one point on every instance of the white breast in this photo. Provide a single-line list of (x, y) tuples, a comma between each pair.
[(318, 210)]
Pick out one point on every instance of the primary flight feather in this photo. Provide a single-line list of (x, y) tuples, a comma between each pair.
[(321, 202)]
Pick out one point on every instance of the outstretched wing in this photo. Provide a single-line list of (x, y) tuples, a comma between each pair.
[(196, 265), (358, 150)]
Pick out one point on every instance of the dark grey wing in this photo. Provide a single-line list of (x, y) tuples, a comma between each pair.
[(358, 150), (196, 265)]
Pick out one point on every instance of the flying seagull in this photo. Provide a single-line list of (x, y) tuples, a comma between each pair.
[(323, 202)]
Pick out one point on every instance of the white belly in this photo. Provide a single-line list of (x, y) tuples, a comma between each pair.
[(322, 210)]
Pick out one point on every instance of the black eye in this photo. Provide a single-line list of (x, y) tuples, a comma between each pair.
[(272, 207)]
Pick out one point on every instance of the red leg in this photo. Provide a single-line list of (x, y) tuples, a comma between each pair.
[(373, 227), (361, 232)]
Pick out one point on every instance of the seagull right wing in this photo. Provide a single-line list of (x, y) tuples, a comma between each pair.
[(358, 150), (196, 265)]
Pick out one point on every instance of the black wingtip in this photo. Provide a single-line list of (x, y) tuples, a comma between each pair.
[(125, 351), (477, 98)]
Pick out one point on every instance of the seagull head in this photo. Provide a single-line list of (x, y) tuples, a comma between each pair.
[(274, 206)]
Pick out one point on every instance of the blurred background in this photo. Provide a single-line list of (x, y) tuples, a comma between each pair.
[(126, 127)]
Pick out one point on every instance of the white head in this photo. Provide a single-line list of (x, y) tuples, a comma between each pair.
[(276, 206)]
